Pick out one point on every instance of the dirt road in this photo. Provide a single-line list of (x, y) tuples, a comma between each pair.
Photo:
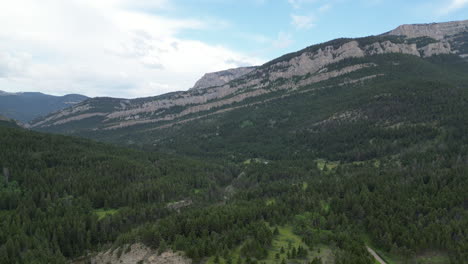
[(377, 257)]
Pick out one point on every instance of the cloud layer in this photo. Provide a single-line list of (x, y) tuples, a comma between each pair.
[(105, 47)]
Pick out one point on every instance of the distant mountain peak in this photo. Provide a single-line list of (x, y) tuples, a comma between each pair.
[(26, 106), (221, 77)]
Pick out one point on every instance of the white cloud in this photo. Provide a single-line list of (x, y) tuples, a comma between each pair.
[(12, 64), (283, 40), (302, 22), (104, 48), (299, 3), (454, 6)]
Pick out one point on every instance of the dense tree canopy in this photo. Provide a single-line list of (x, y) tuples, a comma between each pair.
[(381, 163)]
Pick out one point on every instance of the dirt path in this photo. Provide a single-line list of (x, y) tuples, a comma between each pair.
[(377, 257)]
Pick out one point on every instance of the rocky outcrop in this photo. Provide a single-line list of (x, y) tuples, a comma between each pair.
[(389, 47), (179, 204), (438, 48), (435, 30), (136, 253), (221, 77)]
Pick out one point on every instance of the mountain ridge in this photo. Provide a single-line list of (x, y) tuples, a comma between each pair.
[(287, 73), (27, 106), (433, 30)]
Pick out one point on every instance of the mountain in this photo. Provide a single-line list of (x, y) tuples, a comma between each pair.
[(221, 77), (28, 106), (433, 53)]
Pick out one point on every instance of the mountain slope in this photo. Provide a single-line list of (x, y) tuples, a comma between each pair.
[(61, 196), (26, 107), (331, 86)]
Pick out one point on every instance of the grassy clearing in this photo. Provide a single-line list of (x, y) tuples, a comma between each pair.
[(388, 258), (101, 213), (270, 201), (430, 257), (324, 252), (255, 160), (286, 240), (325, 206), (375, 163), (325, 165)]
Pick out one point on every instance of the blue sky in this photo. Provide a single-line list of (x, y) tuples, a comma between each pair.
[(135, 48), (249, 26)]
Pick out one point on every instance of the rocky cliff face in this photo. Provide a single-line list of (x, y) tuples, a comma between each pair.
[(221, 77), (218, 91), (136, 253), (436, 31)]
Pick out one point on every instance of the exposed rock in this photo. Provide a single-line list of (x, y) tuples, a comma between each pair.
[(346, 82), (179, 205), (64, 113), (346, 116), (221, 77), (434, 30), (438, 48), (78, 117), (389, 47), (136, 253)]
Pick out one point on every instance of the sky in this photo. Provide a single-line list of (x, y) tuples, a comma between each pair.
[(138, 48)]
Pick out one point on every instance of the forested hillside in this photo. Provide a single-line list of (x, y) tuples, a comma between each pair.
[(412, 104), (61, 196), (65, 196)]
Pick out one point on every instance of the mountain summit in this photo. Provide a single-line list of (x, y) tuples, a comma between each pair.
[(221, 77)]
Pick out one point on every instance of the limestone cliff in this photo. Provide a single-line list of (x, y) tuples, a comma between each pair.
[(136, 253), (221, 77), (434, 30)]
